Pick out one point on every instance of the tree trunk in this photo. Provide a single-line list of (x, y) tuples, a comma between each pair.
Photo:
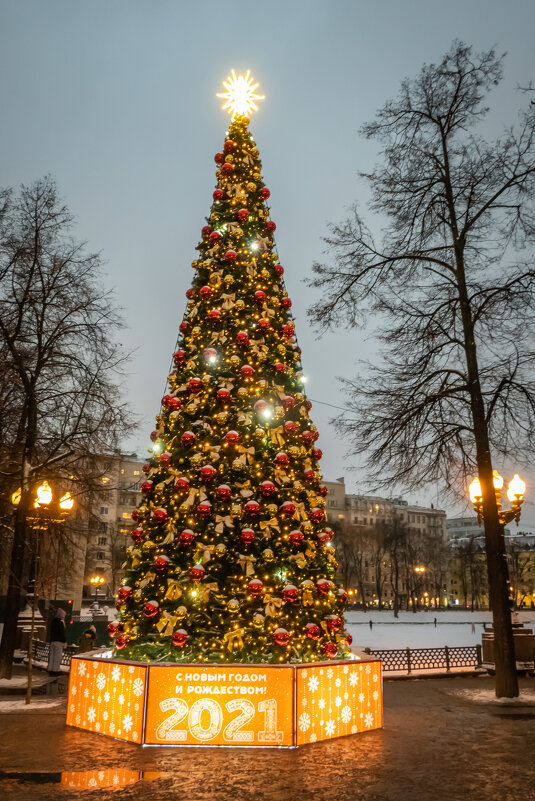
[(14, 593)]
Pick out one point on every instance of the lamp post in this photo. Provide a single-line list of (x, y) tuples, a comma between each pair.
[(96, 581), (45, 508), (515, 494)]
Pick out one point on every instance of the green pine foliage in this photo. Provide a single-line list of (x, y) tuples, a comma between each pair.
[(232, 560)]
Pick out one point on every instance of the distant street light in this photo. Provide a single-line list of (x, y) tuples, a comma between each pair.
[(96, 581), (515, 494), (419, 569)]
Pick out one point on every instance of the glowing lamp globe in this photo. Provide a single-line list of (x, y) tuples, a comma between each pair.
[(474, 490), (516, 489)]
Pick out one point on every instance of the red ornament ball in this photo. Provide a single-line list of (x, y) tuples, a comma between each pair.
[(171, 403), (186, 538), (154, 435), (312, 631), (267, 488), (223, 492), (323, 491), (214, 315), (242, 338), (136, 515), (316, 514), (182, 484), (223, 394), (290, 593), (226, 169), (323, 537), (215, 237), (219, 158), (287, 331), (260, 296), (243, 215), (324, 586), (146, 487), (287, 509), (218, 194), (195, 384), (205, 232), (113, 629), (317, 453), (209, 355), (161, 564), (308, 405), (296, 537), (229, 146), (334, 624), (279, 269), (165, 459), (231, 255), (329, 649), (288, 403), (308, 437), (160, 516), (309, 474), (281, 637), (247, 536), (282, 459), (342, 595), (252, 509), (290, 427), (204, 509), (260, 406), (270, 225), (247, 371), (196, 573), (207, 473), (179, 356), (265, 193), (286, 303), (124, 594), (349, 639), (263, 324), (151, 609), (280, 367), (232, 437), (121, 641), (255, 587), (146, 468), (205, 292), (190, 293), (179, 638), (137, 534), (188, 439), (183, 326)]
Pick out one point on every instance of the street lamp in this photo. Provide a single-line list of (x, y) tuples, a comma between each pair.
[(96, 581), (419, 569), (515, 494)]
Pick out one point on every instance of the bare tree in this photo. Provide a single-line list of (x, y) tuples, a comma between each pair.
[(452, 285), (61, 366)]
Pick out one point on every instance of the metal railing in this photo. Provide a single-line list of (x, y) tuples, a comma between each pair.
[(408, 660), (41, 651)]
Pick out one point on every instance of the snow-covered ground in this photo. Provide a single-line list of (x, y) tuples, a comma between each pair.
[(411, 630)]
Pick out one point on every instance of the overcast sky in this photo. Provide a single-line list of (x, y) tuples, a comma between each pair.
[(116, 99)]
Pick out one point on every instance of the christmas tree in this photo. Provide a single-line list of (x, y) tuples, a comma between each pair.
[(232, 560)]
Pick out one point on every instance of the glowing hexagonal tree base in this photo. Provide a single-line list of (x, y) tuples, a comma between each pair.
[(230, 705)]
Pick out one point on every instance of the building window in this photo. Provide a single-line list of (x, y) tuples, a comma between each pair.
[(137, 472), (103, 510), (126, 515), (100, 556), (102, 540)]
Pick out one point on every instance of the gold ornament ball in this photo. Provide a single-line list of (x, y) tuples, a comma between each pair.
[(228, 279), (259, 433), (233, 606), (251, 187), (214, 279), (258, 620), (235, 509), (242, 392), (240, 304), (262, 383), (220, 549), (265, 274), (181, 612), (299, 398), (298, 485), (281, 349), (255, 152), (196, 331), (307, 585), (293, 451), (307, 527), (148, 545), (261, 356), (221, 417), (229, 159), (272, 508), (197, 458), (268, 554), (237, 465), (235, 360), (257, 176)]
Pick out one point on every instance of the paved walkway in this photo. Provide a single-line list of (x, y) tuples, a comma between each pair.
[(438, 744)]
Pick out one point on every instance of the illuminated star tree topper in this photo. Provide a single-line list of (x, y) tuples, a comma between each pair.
[(240, 95)]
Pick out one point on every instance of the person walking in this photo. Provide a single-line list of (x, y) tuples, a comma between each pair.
[(86, 641), (435, 622), (371, 624), (57, 643)]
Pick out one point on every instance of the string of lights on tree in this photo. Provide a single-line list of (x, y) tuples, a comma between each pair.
[(231, 558)]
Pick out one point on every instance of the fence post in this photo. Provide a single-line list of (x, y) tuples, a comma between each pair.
[(447, 658), (408, 660), (478, 653)]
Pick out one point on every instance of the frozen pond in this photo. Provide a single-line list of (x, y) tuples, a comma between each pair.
[(418, 630)]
